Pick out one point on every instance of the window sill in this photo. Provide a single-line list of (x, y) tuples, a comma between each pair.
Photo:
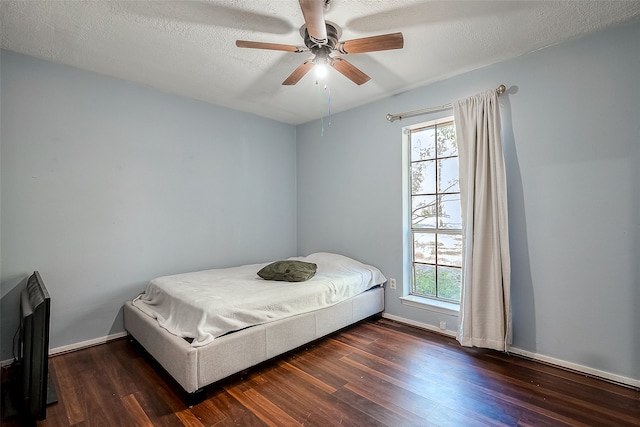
[(431, 305)]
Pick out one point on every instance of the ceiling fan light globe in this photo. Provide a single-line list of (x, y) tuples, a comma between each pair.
[(321, 70)]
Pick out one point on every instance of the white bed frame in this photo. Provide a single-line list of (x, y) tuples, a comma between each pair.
[(196, 367)]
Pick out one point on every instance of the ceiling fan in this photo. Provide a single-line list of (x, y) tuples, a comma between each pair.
[(321, 38)]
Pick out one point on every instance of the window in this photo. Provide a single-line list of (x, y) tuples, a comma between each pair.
[(435, 221)]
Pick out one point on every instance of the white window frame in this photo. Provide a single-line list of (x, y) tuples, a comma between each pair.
[(417, 301)]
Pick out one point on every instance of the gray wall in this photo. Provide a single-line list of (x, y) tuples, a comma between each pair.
[(107, 184), (572, 147)]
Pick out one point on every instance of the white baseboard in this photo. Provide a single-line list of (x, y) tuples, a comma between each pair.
[(86, 344), (426, 326), (608, 376), (77, 346)]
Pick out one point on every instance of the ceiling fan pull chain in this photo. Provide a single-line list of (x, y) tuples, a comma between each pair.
[(328, 103), (321, 109)]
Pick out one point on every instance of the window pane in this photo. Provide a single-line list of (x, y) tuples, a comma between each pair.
[(449, 211), (449, 283), (423, 212), (447, 145), (424, 280), (423, 177), (448, 180), (424, 247), (450, 249), (423, 144)]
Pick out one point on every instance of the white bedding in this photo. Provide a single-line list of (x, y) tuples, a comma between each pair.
[(207, 304)]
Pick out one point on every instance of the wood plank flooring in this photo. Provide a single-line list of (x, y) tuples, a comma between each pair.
[(377, 373)]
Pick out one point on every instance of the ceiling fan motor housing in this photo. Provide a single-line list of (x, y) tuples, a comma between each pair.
[(322, 51)]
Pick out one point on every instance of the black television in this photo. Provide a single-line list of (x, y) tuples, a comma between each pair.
[(33, 354)]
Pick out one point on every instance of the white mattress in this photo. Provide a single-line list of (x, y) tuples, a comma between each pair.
[(207, 304)]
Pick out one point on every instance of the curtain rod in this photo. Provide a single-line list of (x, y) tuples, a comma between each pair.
[(391, 117)]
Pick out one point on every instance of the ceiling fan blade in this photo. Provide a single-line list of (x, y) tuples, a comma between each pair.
[(372, 44), (299, 72), (270, 46), (314, 20), (349, 70)]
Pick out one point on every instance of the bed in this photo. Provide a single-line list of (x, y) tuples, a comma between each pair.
[(201, 328)]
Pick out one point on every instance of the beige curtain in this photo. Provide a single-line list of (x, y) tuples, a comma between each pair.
[(485, 306)]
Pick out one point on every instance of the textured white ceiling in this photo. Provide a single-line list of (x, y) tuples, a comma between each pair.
[(188, 47)]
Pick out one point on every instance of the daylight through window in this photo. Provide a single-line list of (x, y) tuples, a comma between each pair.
[(436, 224)]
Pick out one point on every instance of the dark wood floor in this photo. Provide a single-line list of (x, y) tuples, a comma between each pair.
[(377, 373)]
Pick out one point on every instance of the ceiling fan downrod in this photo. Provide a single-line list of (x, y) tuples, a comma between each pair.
[(333, 34)]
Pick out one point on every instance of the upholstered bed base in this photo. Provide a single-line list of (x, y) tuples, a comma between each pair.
[(196, 367)]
